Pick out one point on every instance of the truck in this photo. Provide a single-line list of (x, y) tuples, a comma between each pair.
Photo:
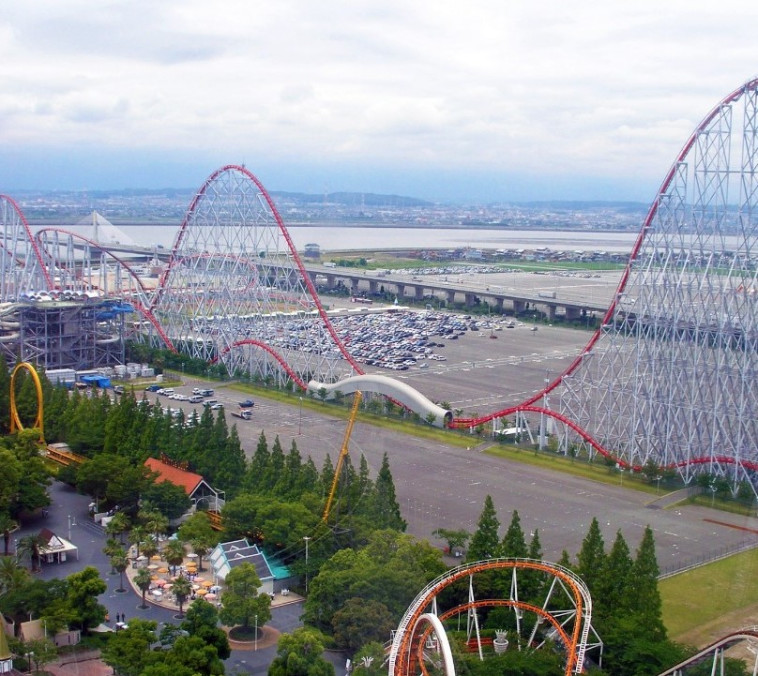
[(244, 413)]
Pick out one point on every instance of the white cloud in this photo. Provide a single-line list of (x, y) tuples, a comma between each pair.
[(544, 86)]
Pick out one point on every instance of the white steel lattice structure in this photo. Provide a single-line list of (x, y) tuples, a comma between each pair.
[(21, 269), (236, 290), (670, 378)]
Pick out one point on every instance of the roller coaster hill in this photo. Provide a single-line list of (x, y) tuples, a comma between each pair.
[(667, 381)]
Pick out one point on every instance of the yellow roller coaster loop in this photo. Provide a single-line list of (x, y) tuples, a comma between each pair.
[(15, 420)]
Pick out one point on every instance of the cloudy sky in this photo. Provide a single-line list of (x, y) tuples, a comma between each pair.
[(474, 101)]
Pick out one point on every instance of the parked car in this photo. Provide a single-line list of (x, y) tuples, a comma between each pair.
[(248, 403)]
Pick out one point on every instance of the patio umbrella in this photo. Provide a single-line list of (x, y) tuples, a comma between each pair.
[(210, 596), (154, 578), (163, 570), (155, 557), (206, 583), (153, 566), (201, 592), (160, 583), (192, 555)]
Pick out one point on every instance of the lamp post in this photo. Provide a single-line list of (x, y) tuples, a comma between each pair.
[(256, 632), (69, 527), (300, 419), (306, 538)]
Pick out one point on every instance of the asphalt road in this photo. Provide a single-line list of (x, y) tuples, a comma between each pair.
[(68, 516), (444, 486)]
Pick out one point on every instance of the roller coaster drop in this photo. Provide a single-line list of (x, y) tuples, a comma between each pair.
[(668, 379)]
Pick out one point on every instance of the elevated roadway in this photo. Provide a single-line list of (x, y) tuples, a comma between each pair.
[(514, 291)]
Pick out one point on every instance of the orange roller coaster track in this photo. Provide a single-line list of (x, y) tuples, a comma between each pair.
[(571, 624)]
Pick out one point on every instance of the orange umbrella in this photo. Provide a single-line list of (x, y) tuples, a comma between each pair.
[(155, 557), (201, 592), (163, 570), (207, 583)]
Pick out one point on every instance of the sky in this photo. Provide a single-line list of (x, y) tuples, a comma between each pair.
[(485, 101)]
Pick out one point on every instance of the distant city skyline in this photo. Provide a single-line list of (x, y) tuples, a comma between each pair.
[(487, 103)]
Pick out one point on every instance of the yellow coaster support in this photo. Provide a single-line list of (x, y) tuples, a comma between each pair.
[(343, 453)]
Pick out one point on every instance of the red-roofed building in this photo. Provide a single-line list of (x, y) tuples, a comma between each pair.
[(198, 489)]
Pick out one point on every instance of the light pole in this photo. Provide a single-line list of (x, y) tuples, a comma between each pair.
[(306, 538), (256, 632), (69, 527), (300, 419)]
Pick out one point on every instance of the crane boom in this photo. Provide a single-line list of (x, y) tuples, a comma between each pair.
[(343, 453)]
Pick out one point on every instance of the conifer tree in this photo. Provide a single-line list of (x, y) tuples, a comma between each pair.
[(513, 545), (644, 594), (591, 557), (386, 507), (486, 541), (275, 467), (327, 472), (232, 465), (613, 589), (292, 466), (258, 466)]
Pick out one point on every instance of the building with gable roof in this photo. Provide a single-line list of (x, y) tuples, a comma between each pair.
[(228, 555), (56, 549), (199, 491)]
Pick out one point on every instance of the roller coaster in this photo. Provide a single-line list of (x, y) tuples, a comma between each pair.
[(667, 379)]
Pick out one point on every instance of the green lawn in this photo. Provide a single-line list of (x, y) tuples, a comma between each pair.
[(701, 596)]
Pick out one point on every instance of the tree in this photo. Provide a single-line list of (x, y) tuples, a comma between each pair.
[(182, 588), (369, 660), (120, 563), (143, 579), (83, 589), (169, 500), (94, 475), (514, 542), (118, 525), (42, 651), (644, 588), (391, 568), (456, 539), (12, 575), (361, 621), (174, 553), (31, 545), (189, 655), (240, 601), (197, 530), (301, 654), (613, 593), (128, 651), (591, 557), (386, 512), (202, 621), (486, 541)]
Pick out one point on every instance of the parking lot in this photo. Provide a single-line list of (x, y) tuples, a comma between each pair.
[(445, 486)]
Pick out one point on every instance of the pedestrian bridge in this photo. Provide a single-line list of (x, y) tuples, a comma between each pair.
[(389, 387)]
